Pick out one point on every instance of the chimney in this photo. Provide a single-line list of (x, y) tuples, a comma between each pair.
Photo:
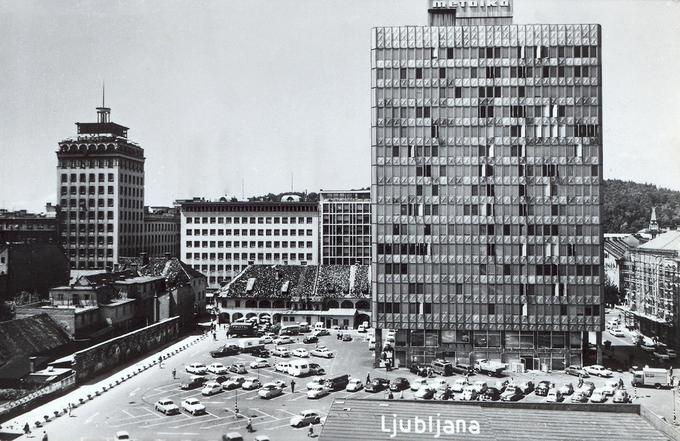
[(167, 256), (31, 364), (145, 258)]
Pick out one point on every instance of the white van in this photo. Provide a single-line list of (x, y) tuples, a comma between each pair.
[(298, 368), (319, 325)]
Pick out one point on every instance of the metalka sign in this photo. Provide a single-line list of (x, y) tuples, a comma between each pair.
[(471, 4)]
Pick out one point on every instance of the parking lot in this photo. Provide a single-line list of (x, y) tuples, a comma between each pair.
[(131, 406)]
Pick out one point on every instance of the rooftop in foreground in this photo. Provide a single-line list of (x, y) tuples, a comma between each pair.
[(373, 420)]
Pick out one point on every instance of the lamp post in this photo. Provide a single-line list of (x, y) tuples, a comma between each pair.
[(236, 402)]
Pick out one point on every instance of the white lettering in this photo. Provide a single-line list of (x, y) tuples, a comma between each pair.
[(406, 429), (449, 428), (474, 427), (419, 424), (461, 426), (452, 4)]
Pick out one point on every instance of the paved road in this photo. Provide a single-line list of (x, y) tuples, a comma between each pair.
[(130, 406)]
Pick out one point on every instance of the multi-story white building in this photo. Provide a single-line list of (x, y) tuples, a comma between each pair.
[(220, 239), (100, 181), (345, 217)]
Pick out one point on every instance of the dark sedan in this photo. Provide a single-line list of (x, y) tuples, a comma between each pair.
[(260, 353), (491, 394), (310, 339), (462, 369), (542, 388), (225, 351), (399, 384), (193, 383), (418, 369), (377, 385)]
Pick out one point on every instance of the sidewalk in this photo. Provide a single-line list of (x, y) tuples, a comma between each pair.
[(82, 394)]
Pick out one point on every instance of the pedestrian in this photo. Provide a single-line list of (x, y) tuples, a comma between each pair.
[(310, 433), (390, 395), (401, 394), (249, 426), (70, 408), (368, 378), (44, 437), (292, 386), (580, 381), (620, 383), (27, 429), (174, 373)]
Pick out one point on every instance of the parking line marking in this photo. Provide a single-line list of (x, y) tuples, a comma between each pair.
[(208, 414)]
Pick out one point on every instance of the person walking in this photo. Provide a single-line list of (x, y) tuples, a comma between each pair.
[(368, 378), (44, 437), (620, 383), (580, 381), (27, 429), (249, 426), (174, 373), (310, 433), (292, 386)]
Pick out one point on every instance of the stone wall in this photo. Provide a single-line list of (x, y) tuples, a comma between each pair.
[(111, 353)]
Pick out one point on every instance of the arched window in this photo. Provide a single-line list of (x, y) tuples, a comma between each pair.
[(332, 304), (250, 303), (347, 304)]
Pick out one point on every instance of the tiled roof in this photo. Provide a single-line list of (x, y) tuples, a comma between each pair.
[(670, 240), (22, 338), (174, 270), (362, 420)]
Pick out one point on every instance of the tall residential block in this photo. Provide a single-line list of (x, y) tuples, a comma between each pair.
[(486, 172), (345, 218)]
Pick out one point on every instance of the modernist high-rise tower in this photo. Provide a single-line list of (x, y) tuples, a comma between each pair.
[(100, 177), (486, 169)]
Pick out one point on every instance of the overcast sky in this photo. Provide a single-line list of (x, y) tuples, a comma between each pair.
[(220, 91)]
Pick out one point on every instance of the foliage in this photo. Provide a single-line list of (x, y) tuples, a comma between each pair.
[(271, 197), (627, 206)]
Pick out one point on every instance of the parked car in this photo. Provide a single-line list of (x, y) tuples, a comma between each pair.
[(648, 346), (610, 386), (424, 393), (251, 383), (479, 386), (526, 387), (217, 368), (282, 366), (501, 385), (587, 388), (459, 384), (266, 339), (354, 385), (238, 368), (512, 393), (310, 339), (301, 352), (233, 436), (443, 394), (225, 351), (321, 332), (361, 329), (418, 369), (166, 406), (442, 367), (567, 389), (211, 388), (418, 383), (469, 393), (339, 382), (315, 369), (598, 370), (260, 353), (577, 371), (346, 337), (194, 383), (233, 383), (317, 391), (305, 418), (322, 352), (399, 384), (221, 378), (283, 340), (661, 353), (542, 388), (462, 369), (621, 396), (193, 406), (281, 351), (269, 390), (314, 381), (197, 369), (554, 396), (377, 385), (259, 363), (617, 332), (491, 394), (578, 397), (598, 396)]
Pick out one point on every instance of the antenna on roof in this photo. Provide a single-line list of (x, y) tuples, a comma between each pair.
[(103, 94)]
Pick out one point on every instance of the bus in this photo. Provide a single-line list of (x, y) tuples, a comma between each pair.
[(304, 326), (290, 330), (243, 329)]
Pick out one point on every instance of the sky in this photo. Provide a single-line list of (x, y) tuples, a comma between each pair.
[(267, 93)]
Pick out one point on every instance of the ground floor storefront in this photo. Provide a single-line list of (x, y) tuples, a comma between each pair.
[(548, 350), (346, 318)]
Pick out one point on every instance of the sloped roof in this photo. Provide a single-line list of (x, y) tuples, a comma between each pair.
[(362, 420), (25, 337), (175, 271), (670, 241)]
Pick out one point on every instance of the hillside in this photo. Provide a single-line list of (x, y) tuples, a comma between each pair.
[(627, 206)]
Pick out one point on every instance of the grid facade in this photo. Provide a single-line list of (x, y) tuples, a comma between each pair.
[(345, 227), (220, 239), (486, 169), (100, 177)]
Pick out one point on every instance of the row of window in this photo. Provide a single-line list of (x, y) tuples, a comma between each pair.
[(488, 230), (489, 72), (506, 269), (420, 153), (251, 244), (125, 164), (251, 220), (488, 308), (457, 53), (251, 232)]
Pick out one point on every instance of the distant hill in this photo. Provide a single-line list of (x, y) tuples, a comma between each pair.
[(627, 206)]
